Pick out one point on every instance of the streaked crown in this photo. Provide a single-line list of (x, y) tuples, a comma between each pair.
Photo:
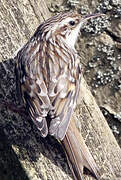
[(64, 26)]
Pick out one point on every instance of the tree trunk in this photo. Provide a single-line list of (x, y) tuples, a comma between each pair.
[(23, 153)]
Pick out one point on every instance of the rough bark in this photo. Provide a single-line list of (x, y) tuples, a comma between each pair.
[(23, 153)]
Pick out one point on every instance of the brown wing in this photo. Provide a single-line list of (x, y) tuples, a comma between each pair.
[(63, 92), (33, 87), (49, 85), (64, 105)]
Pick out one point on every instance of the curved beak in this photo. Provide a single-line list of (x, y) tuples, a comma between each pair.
[(90, 16)]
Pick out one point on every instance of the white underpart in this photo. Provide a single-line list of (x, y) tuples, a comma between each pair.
[(71, 37)]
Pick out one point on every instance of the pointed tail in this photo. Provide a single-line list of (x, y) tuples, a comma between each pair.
[(77, 153)]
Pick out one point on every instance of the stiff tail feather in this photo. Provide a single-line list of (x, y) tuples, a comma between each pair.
[(77, 153)]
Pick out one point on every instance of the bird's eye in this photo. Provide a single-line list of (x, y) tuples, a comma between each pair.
[(72, 23)]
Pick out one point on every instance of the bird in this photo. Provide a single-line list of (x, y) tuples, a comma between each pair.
[(48, 78)]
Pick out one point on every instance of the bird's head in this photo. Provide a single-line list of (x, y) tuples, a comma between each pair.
[(65, 26)]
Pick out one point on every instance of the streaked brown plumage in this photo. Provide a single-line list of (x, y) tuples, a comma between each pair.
[(48, 78)]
